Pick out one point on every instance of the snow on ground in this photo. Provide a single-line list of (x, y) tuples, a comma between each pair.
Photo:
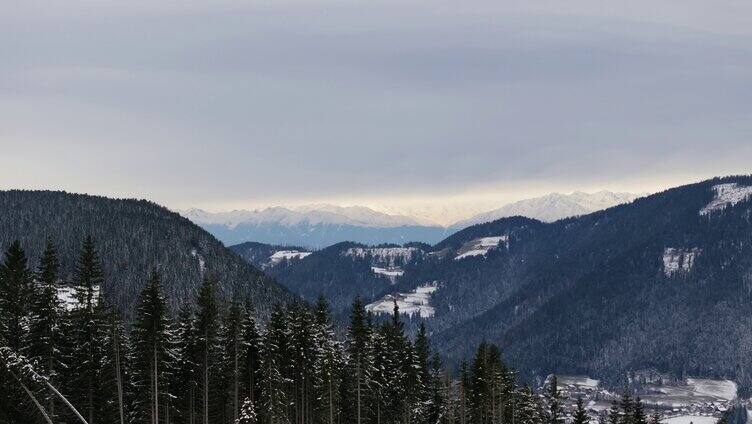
[(690, 419), (725, 195), (389, 272), (695, 391), (414, 303), (385, 255), (287, 255), (675, 260), (480, 246), (201, 261), (579, 381), (720, 389), (68, 297)]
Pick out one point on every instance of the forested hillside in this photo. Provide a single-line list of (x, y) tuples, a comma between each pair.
[(70, 360), (132, 237), (663, 282)]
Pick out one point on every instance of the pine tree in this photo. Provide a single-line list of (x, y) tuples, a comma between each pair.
[(274, 358), (247, 413), (427, 408), (153, 355), (207, 326), (614, 416), (328, 367), (359, 365), (554, 401), (185, 381), (112, 381), (233, 353), (464, 394), (627, 408), (251, 367), (87, 336), (15, 296), (46, 326), (580, 414), (638, 413)]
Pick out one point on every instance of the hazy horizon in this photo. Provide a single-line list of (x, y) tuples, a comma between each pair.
[(406, 105)]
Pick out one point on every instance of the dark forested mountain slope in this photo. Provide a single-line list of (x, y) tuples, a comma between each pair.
[(132, 236), (663, 282), (263, 255)]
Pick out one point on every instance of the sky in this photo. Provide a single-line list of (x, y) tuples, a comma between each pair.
[(404, 104)]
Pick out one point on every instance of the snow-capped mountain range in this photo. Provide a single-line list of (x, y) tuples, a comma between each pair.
[(311, 214), (554, 206), (321, 225)]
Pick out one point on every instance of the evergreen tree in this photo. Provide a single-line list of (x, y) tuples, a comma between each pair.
[(251, 367), (15, 296), (207, 326), (87, 323), (247, 413), (638, 413), (580, 413), (111, 376), (185, 381), (46, 326), (464, 394), (359, 365), (528, 409), (233, 354), (274, 362), (329, 366), (627, 408), (614, 416), (554, 401), (153, 355)]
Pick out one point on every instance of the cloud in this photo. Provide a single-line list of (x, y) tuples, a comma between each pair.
[(191, 103)]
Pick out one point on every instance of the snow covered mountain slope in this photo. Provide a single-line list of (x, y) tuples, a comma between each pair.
[(553, 207)]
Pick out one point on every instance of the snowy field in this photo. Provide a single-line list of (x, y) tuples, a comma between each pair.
[(384, 255), (579, 381), (690, 419), (287, 255), (675, 260), (480, 247), (725, 195), (392, 273), (696, 391), (417, 302)]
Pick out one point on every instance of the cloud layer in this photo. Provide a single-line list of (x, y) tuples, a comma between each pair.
[(223, 104)]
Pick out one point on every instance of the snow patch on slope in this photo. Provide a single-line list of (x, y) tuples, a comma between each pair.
[(481, 246), (282, 255), (201, 261), (390, 256), (725, 195), (416, 302), (676, 260)]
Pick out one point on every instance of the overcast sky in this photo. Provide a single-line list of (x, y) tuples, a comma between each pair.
[(228, 105)]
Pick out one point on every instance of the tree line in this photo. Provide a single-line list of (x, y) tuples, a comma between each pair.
[(76, 360)]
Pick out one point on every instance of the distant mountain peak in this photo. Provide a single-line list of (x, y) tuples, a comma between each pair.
[(554, 206)]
